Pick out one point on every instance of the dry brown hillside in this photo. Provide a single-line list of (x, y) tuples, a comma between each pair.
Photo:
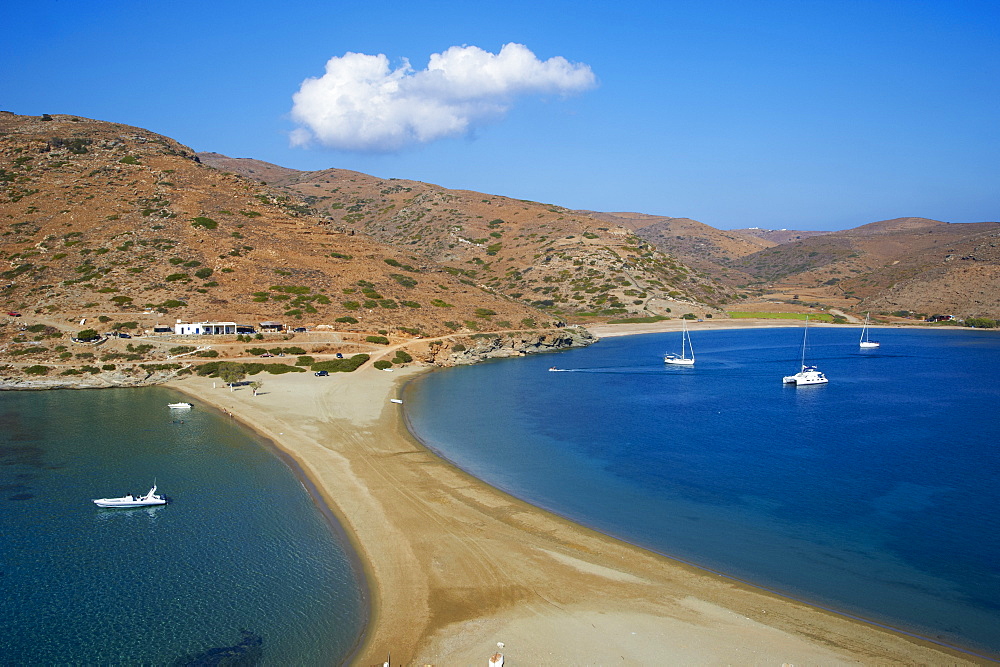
[(105, 219), (564, 261), (698, 245), (915, 264), (774, 237)]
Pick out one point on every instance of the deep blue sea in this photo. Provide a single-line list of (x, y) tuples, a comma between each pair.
[(876, 495), (241, 567)]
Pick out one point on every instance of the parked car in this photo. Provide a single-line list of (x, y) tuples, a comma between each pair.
[(124, 335), (299, 329), (340, 356), (267, 354), (321, 374), (13, 314)]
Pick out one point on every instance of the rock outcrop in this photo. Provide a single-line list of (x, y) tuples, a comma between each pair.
[(480, 347)]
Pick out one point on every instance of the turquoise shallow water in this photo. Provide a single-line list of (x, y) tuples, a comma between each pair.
[(240, 566), (875, 495)]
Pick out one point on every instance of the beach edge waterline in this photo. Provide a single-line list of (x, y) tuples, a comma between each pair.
[(431, 601)]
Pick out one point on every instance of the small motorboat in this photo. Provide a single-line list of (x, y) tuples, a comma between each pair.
[(179, 406), (132, 501)]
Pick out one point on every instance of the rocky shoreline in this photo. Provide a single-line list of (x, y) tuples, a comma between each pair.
[(464, 350), (481, 347), (107, 380)]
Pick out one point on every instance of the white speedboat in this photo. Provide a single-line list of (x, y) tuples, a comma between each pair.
[(132, 501), (179, 406), (807, 374)]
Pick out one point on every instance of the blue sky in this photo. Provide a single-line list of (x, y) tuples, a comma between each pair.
[(781, 114)]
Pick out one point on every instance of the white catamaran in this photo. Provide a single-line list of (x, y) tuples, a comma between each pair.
[(683, 359), (808, 374), (865, 343)]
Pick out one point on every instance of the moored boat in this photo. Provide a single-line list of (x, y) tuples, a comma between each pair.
[(807, 374), (865, 343), (683, 359), (129, 500), (179, 406)]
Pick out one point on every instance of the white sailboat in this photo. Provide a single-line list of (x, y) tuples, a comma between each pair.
[(807, 374), (683, 359), (865, 343)]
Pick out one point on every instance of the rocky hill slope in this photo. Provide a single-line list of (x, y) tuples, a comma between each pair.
[(569, 263), (913, 264), (105, 217), (704, 248), (104, 225)]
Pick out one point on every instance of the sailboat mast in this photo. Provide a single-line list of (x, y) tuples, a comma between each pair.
[(805, 334)]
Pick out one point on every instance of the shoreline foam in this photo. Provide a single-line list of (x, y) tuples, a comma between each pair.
[(454, 566)]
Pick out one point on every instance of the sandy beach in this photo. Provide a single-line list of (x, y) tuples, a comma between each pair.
[(455, 566)]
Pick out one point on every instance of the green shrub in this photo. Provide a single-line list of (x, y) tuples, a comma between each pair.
[(204, 222), (129, 159), (305, 360), (341, 365), (405, 281), (204, 273), (108, 367), (402, 358), (347, 319), (256, 351), (88, 334), (382, 364), (207, 353), (281, 369), (37, 369), (380, 340)]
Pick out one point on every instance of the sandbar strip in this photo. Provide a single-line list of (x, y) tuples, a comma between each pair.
[(455, 566)]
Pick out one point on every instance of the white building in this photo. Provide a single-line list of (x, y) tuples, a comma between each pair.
[(204, 328)]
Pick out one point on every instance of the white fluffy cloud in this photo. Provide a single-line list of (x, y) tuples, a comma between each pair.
[(360, 104)]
